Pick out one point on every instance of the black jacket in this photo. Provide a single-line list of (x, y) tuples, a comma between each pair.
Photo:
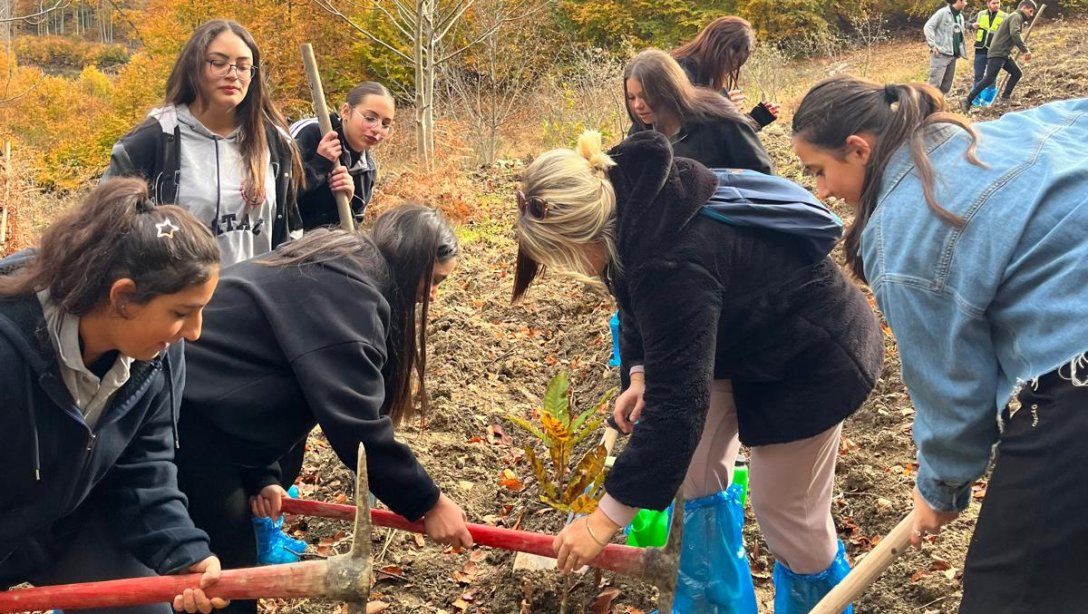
[(285, 348), (55, 466), (153, 152), (719, 143), (759, 113), (316, 203), (700, 300)]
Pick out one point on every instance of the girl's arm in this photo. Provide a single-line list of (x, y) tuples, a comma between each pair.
[(742, 147), (147, 509)]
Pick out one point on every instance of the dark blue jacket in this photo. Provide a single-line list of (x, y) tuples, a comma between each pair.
[(55, 467)]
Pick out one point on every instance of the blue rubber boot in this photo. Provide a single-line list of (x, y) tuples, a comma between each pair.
[(714, 574), (796, 593)]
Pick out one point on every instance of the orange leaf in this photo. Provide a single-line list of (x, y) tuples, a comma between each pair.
[(603, 603), (510, 481), (917, 576)]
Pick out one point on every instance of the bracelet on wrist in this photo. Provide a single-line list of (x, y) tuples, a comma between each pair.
[(593, 535)]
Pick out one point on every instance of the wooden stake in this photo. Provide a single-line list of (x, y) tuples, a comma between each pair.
[(347, 221)]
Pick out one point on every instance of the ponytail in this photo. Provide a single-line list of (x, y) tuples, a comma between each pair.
[(567, 202), (839, 107)]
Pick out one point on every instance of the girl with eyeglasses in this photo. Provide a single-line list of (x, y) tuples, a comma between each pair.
[(218, 147), (328, 330), (726, 330), (365, 120), (91, 376), (699, 123)]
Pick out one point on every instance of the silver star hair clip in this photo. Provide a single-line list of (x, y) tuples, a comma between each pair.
[(166, 229)]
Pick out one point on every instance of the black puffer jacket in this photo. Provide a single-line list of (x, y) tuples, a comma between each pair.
[(702, 300)]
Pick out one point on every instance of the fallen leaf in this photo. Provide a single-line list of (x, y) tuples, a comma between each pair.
[(916, 576), (460, 604), (497, 436), (603, 603), (465, 485), (950, 573), (467, 574), (340, 498), (477, 556), (418, 539), (510, 481), (939, 564), (394, 571)]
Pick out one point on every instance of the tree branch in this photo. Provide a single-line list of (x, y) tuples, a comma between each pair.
[(329, 8), (61, 4)]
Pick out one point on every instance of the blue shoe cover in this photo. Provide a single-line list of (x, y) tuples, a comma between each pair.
[(796, 593), (714, 574), (273, 545)]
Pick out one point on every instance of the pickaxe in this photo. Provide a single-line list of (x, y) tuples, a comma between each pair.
[(346, 577), (657, 566)]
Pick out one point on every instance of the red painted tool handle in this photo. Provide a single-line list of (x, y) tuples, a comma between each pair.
[(283, 581), (620, 559)]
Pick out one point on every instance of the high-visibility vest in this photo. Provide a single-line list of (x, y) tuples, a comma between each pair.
[(986, 30)]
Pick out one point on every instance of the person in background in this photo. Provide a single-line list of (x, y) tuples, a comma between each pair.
[(944, 32), (972, 239), (218, 147), (91, 376), (999, 57), (713, 59), (985, 25), (365, 120), (699, 123), (326, 330)]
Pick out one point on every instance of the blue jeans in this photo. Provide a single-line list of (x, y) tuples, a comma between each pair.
[(980, 65)]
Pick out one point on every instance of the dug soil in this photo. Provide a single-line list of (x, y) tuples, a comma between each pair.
[(489, 359)]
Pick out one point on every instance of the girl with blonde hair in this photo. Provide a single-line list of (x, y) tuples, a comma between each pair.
[(727, 330)]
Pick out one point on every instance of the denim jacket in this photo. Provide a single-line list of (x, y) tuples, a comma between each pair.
[(939, 31), (980, 311)]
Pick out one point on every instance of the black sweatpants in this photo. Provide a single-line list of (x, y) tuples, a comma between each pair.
[(218, 502), (993, 66), (1029, 551)]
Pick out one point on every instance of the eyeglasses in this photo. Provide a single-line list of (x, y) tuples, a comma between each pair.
[(535, 206), (222, 68), (371, 121)]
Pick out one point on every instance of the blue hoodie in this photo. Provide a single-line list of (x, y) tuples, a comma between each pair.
[(54, 464)]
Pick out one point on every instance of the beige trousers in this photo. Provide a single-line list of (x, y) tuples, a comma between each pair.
[(790, 484)]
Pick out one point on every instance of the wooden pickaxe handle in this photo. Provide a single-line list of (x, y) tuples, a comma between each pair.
[(868, 570), (620, 559), (317, 92), (315, 579)]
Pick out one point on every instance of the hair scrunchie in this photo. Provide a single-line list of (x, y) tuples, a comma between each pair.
[(891, 93)]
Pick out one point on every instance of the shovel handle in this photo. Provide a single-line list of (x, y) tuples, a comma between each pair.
[(620, 559), (868, 570)]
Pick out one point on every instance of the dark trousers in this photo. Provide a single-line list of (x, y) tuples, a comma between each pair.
[(993, 66), (93, 553), (218, 502), (1030, 547), (980, 66)]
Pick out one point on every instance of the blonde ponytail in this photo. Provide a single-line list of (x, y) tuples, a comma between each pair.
[(589, 147)]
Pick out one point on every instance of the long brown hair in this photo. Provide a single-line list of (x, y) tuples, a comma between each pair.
[(400, 250), (255, 112), (839, 107), (667, 88), (116, 233), (718, 52)]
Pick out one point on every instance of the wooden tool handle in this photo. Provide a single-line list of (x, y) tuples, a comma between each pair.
[(347, 221), (295, 580), (620, 559), (869, 569)]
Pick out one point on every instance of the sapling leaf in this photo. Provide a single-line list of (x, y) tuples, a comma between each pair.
[(535, 432), (582, 417), (589, 429), (541, 475), (585, 473), (557, 397), (583, 504)]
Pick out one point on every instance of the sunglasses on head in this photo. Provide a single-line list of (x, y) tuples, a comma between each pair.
[(535, 206)]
